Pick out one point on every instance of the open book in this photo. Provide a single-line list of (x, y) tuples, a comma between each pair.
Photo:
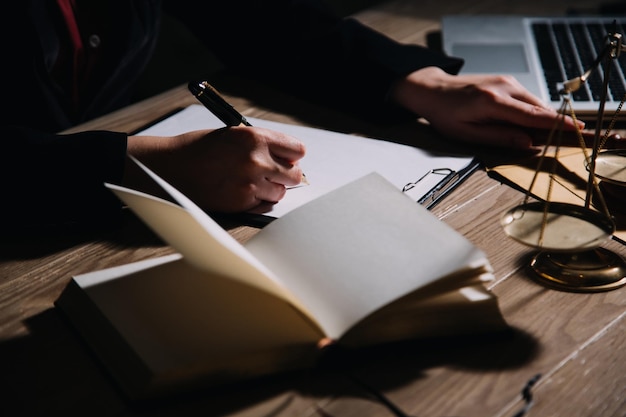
[(361, 265)]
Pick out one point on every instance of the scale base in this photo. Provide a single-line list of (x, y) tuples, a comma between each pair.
[(595, 270)]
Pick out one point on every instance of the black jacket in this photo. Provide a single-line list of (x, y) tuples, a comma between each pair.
[(295, 45)]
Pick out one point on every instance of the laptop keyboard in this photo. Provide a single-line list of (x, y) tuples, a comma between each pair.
[(568, 49)]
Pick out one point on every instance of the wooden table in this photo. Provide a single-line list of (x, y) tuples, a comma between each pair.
[(576, 341)]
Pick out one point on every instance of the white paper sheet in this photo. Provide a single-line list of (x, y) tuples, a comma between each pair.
[(332, 159)]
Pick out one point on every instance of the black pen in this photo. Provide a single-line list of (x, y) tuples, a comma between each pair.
[(213, 101)]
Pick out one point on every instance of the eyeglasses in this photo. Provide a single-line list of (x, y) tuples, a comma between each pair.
[(527, 397)]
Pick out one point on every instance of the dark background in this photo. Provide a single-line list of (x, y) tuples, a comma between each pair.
[(179, 56)]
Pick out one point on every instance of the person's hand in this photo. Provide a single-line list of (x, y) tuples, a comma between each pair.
[(226, 170), (485, 109)]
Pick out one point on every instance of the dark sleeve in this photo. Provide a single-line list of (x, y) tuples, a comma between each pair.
[(55, 182), (301, 47)]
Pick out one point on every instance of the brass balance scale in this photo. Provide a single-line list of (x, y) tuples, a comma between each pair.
[(569, 236)]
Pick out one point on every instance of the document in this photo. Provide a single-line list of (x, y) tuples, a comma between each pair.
[(334, 159)]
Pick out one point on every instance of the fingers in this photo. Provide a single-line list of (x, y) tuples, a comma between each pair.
[(266, 165), (512, 103), (284, 147), (285, 174), (532, 116), (268, 191), (522, 94), (277, 156), (286, 151), (503, 113)]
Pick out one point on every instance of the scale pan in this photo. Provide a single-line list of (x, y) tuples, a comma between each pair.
[(611, 166), (564, 228)]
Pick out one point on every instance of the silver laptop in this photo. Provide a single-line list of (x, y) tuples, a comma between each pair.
[(542, 53)]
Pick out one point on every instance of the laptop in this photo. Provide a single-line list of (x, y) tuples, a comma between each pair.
[(542, 53)]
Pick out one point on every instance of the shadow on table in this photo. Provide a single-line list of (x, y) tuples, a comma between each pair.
[(52, 372)]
